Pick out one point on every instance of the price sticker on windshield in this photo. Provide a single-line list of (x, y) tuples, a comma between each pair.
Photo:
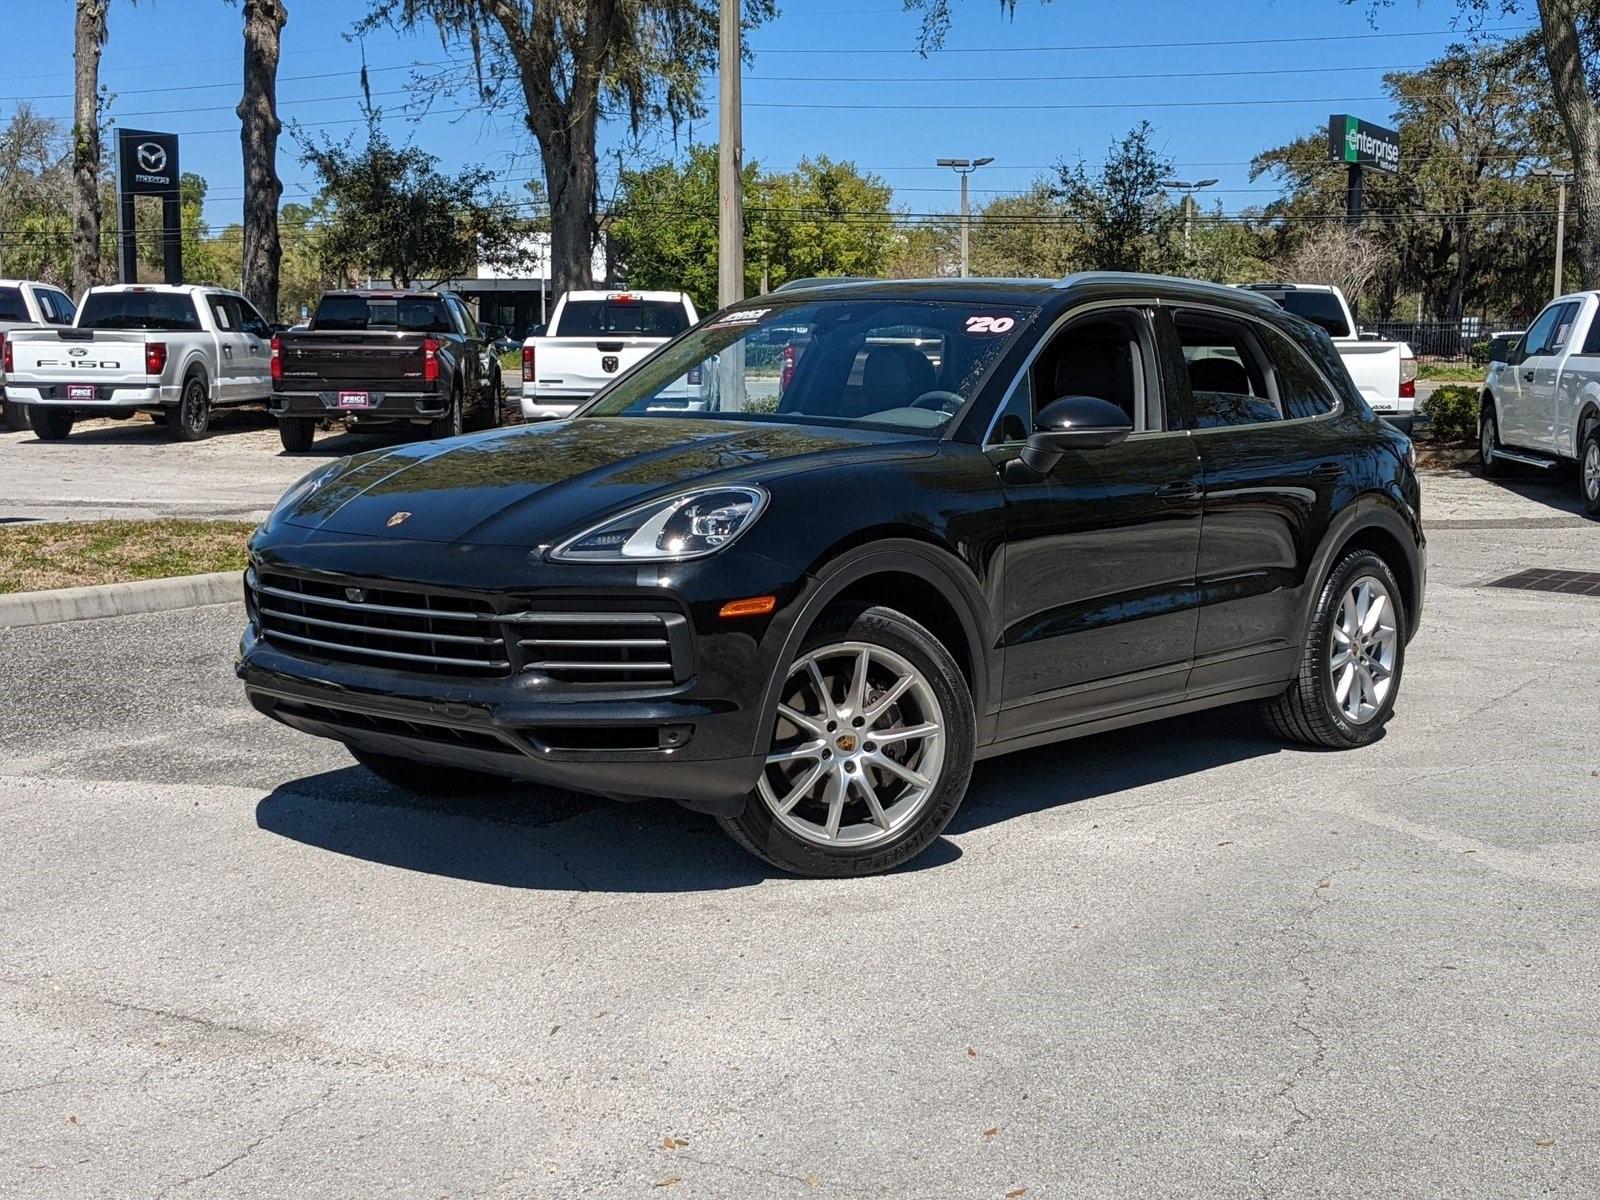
[(990, 326)]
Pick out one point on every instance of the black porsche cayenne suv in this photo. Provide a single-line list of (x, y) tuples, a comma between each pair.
[(811, 560)]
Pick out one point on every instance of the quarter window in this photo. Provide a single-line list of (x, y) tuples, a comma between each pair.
[(1301, 389), (1228, 376)]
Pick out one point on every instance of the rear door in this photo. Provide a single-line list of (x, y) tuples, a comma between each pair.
[(255, 374), (1271, 467), (233, 352)]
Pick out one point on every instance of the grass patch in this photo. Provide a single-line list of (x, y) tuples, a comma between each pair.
[(1452, 372), (79, 553)]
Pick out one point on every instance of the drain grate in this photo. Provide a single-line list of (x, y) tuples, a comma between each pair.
[(1573, 583)]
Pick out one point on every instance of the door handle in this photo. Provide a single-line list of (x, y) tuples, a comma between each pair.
[(1178, 489)]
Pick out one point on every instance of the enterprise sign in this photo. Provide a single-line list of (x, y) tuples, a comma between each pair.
[(1352, 140)]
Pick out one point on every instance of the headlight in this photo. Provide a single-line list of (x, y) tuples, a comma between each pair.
[(306, 486), (692, 525)]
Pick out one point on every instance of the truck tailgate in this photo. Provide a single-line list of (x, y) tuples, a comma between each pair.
[(329, 359), (71, 356), (1375, 367), (586, 364)]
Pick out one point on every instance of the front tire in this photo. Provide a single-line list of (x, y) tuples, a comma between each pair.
[(427, 779), (16, 416), (1350, 662), (191, 417), (1589, 470), (50, 424), (870, 752), (1489, 443), (297, 433)]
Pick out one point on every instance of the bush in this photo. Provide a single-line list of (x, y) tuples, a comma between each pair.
[(1453, 413)]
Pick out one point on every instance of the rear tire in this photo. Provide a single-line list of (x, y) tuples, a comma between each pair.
[(191, 417), (297, 433), (1350, 662), (50, 424), (868, 783), (16, 417), (489, 414), (1589, 470), (449, 425), (427, 779), (1489, 442)]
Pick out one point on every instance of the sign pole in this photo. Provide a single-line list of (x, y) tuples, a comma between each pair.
[(1352, 196), (127, 241), (147, 165)]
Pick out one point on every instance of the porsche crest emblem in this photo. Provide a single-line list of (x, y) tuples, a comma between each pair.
[(399, 518)]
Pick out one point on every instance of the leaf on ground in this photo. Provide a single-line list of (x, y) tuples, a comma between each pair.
[(553, 1029), (1224, 843), (72, 1119), (1325, 883), (971, 1053), (991, 1131), (1469, 852), (813, 1181), (672, 1143), (1015, 1192), (669, 1181), (1545, 1143)]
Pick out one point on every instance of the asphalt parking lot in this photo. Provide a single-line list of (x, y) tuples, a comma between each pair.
[(1178, 961)]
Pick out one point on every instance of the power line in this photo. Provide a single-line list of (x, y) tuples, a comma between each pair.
[(1090, 46)]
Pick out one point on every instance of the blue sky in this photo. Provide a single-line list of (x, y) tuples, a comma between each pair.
[(990, 92)]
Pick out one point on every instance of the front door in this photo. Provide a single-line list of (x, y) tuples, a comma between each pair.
[(1525, 412), (1098, 594)]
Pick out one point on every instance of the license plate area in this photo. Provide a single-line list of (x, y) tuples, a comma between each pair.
[(355, 399), (82, 391)]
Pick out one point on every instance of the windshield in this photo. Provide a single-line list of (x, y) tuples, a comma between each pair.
[(622, 314), (900, 364), (414, 314), (1320, 308), (139, 310)]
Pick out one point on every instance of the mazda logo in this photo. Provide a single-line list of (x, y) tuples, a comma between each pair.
[(151, 156)]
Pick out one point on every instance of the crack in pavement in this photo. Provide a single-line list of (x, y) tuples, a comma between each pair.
[(251, 1148)]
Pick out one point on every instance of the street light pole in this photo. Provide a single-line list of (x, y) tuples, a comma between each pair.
[(1188, 189), (1561, 175), (964, 167), (730, 158)]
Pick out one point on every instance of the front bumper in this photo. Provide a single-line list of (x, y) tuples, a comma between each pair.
[(380, 406), (696, 741)]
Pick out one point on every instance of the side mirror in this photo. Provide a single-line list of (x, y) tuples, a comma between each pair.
[(1073, 423)]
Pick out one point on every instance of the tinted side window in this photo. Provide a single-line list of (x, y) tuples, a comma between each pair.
[(1591, 344), (1563, 329), (1301, 390), (251, 321), (1227, 376), (59, 309), (226, 319)]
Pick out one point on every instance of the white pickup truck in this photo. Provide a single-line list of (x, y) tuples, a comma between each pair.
[(1384, 372), (25, 304), (173, 351), (1541, 406), (592, 338)]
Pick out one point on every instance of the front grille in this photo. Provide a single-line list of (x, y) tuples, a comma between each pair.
[(408, 630), (577, 642), (600, 647)]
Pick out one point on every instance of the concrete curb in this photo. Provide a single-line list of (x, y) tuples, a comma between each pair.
[(119, 599)]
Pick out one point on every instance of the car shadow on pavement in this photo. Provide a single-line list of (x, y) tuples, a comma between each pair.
[(562, 841), (1068, 772), (544, 840), (1556, 489)]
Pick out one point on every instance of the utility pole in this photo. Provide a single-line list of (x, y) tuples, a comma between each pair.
[(730, 158), (1188, 189), (964, 167), (1562, 176)]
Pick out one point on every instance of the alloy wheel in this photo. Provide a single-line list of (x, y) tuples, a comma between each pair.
[(1362, 647), (1486, 441), (857, 749), (1591, 470)]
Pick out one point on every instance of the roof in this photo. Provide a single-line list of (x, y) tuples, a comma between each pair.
[(386, 293), (1050, 292), (608, 293), (181, 289)]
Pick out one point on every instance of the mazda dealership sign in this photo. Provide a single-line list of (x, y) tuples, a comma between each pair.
[(147, 162)]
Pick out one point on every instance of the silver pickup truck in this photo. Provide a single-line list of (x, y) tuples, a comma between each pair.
[(173, 351), (25, 304)]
